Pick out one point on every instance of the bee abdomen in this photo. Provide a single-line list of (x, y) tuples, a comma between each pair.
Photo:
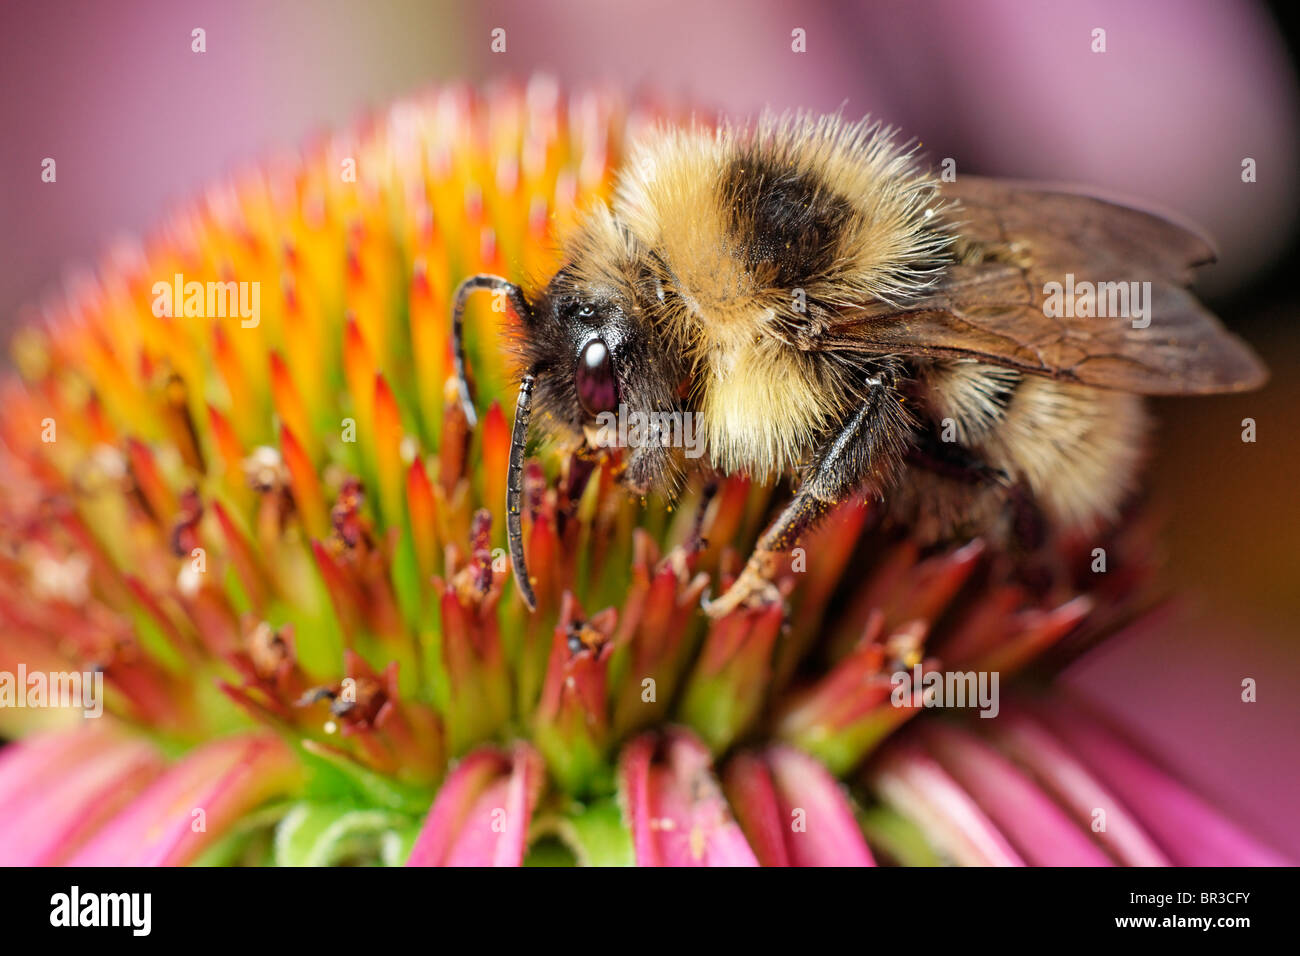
[(968, 399), (1076, 448)]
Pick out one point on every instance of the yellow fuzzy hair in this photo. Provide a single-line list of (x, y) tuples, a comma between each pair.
[(1078, 448), (764, 400)]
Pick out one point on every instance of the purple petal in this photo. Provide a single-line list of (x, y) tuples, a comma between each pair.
[(1038, 828), (914, 784), (482, 812), (675, 807), (1079, 792), (1191, 832), (56, 790), (794, 812), (164, 826)]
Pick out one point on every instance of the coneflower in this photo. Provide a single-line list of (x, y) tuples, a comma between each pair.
[(237, 487)]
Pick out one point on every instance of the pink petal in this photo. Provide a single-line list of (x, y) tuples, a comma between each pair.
[(1038, 828), (1080, 793), (225, 779), (749, 787), (914, 784), (56, 790), (28, 765), (482, 812), (794, 812), (674, 806), (1190, 831)]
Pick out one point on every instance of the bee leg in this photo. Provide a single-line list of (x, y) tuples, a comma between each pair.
[(754, 587), (865, 455)]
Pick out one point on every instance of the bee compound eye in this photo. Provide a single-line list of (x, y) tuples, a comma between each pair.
[(595, 380)]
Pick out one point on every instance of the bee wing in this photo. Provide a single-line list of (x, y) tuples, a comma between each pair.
[(991, 306)]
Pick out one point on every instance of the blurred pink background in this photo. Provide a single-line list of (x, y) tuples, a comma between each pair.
[(1184, 91)]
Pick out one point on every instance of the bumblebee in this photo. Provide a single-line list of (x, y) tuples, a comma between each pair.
[(821, 306)]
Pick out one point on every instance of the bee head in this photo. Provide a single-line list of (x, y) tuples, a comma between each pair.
[(601, 367), (595, 367)]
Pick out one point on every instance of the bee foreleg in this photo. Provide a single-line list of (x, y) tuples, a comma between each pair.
[(865, 455)]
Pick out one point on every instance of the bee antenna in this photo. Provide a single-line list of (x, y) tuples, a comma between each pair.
[(472, 284), (515, 491)]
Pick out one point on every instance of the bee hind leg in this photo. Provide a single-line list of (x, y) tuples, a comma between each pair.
[(865, 455)]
